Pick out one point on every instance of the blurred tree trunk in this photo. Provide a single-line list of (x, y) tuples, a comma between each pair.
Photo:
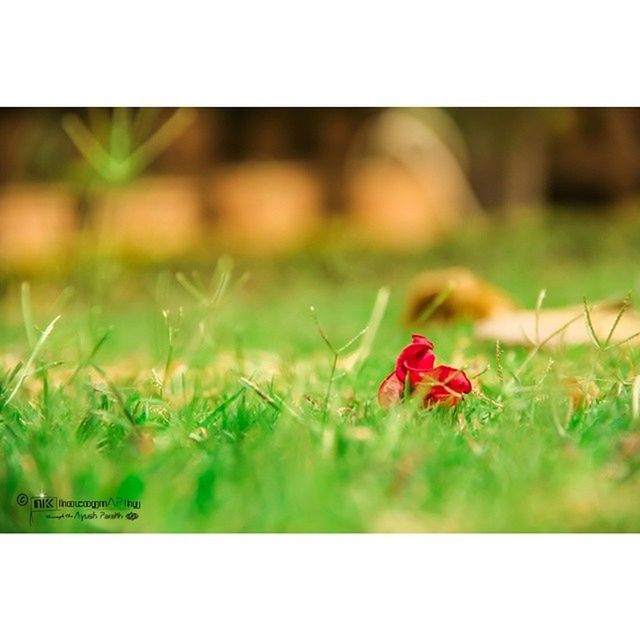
[(508, 154)]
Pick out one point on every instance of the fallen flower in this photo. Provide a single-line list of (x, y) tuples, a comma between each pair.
[(441, 384), (415, 359)]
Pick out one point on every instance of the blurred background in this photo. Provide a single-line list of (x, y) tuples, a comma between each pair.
[(155, 185)]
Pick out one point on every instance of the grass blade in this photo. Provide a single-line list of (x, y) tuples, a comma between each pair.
[(435, 304), (357, 359), (592, 331), (539, 301), (627, 339), (90, 357), (34, 353), (539, 346), (276, 404), (27, 316), (626, 303), (191, 288), (635, 398)]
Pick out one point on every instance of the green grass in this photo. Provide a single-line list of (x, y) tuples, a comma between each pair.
[(121, 400)]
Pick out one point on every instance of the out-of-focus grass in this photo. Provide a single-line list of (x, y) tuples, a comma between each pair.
[(175, 427)]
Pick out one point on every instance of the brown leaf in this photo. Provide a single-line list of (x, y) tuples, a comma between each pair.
[(581, 392), (451, 294), (390, 391), (554, 327), (630, 445)]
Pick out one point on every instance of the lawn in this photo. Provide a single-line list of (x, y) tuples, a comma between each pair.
[(208, 399)]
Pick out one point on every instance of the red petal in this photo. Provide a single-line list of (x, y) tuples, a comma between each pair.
[(455, 379), (390, 391), (454, 384), (416, 357), (425, 365), (416, 338)]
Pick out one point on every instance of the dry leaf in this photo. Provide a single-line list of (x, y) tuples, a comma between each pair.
[(581, 392), (630, 445), (451, 294), (555, 327)]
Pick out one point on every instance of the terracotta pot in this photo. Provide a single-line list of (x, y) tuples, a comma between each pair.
[(394, 206), (37, 224), (266, 207), (154, 217)]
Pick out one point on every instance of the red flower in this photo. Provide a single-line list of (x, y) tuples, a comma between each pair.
[(441, 384), (415, 359), (453, 384)]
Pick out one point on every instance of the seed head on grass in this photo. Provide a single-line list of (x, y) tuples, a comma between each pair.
[(336, 352)]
